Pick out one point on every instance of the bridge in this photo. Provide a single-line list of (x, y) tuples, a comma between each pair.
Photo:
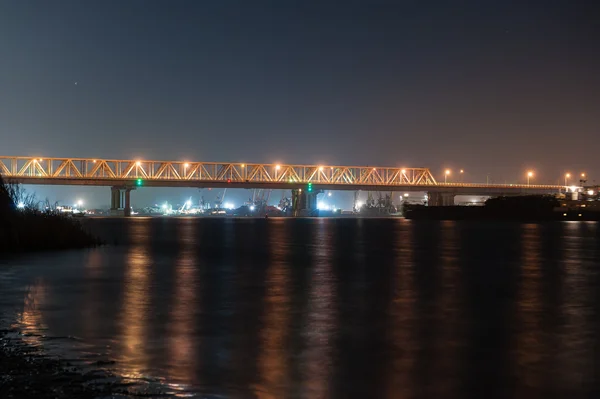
[(126, 175)]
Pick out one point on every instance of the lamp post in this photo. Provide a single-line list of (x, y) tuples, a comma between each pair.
[(529, 176), (446, 173), (567, 176)]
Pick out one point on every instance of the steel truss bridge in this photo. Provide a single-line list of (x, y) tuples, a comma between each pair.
[(132, 173)]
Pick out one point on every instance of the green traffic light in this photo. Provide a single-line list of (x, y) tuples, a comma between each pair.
[(309, 187), (139, 182)]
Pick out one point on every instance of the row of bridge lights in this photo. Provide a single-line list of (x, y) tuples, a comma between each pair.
[(447, 172), (530, 174)]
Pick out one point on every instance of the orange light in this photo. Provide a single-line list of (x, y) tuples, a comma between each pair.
[(530, 174), (243, 166), (138, 163), (185, 165), (277, 167), (447, 171), (582, 175), (320, 168), (403, 170)]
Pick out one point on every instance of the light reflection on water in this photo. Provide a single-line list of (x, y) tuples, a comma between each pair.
[(327, 308), (135, 313)]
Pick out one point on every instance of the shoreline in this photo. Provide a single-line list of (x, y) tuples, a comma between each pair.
[(28, 372)]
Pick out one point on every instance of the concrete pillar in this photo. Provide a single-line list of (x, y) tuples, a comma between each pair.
[(304, 203), (127, 209), (115, 198), (120, 201), (435, 198)]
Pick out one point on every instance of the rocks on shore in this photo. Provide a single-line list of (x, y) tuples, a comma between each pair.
[(26, 373)]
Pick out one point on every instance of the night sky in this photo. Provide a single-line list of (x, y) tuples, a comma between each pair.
[(492, 87)]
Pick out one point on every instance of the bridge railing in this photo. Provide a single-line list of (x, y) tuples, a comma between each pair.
[(502, 185), (83, 168)]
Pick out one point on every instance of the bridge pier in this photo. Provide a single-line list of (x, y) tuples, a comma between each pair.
[(304, 203), (435, 198), (120, 201)]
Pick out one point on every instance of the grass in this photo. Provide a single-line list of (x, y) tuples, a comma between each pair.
[(26, 228)]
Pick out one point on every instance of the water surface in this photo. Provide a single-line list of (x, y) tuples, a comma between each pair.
[(324, 308)]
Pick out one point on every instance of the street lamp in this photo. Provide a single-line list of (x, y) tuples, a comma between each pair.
[(446, 175), (529, 176), (567, 176)]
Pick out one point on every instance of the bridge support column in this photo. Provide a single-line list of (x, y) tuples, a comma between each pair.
[(115, 201), (435, 198), (120, 201), (127, 209), (304, 203)]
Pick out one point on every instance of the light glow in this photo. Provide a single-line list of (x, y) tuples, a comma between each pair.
[(322, 206)]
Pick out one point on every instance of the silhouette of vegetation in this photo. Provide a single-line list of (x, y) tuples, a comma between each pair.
[(27, 224)]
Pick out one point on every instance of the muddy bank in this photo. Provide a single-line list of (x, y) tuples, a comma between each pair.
[(28, 373)]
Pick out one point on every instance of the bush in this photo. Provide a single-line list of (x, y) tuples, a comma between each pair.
[(25, 228)]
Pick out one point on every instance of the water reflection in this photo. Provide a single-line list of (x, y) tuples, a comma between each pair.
[(182, 346), (320, 325), (448, 344), (134, 323), (404, 342), (31, 319), (577, 305), (529, 339), (334, 308), (272, 361)]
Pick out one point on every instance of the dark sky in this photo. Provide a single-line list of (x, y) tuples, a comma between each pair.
[(494, 87)]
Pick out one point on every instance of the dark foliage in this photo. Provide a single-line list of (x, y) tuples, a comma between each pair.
[(29, 229)]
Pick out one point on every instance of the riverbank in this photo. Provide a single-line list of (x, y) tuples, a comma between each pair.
[(28, 373), (26, 228)]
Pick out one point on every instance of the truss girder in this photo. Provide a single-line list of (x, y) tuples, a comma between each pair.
[(82, 168)]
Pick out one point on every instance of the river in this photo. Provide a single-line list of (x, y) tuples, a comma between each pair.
[(323, 308)]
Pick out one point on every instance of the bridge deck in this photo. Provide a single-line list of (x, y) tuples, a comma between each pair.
[(102, 172)]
